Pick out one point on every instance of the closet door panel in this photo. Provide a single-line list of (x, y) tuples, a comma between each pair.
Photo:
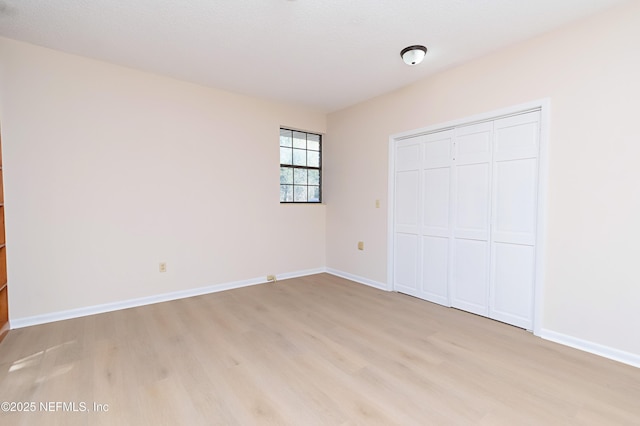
[(471, 209), (407, 255), (407, 216), (435, 261), (514, 216), (472, 181), (514, 219), (470, 276), (435, 219), (513, 271), (472, 201), (438, 149), (408, 154), (407, 201), (473, 143), (436, 216), (517, 136)]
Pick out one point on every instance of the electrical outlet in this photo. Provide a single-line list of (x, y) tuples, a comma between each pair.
[(360, 245), (162, 267), (377, 204), (272, 278)]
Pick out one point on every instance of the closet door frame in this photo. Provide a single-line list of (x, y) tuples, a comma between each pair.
[(543, 105)]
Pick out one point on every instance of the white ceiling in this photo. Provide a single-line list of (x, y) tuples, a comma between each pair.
[(326, 54)]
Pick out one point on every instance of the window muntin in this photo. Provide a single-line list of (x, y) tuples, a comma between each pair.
[(300, 167)]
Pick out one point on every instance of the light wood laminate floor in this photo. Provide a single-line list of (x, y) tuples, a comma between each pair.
[(317, 350)]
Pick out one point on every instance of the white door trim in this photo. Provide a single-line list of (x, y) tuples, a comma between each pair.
[(544, 105)]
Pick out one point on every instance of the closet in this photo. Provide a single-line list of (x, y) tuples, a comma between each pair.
[(465, 208)]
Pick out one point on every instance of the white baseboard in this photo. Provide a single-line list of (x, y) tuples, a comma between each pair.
[(132, 303), (594, 348), (358, 279), (563, 339), (304, 273)]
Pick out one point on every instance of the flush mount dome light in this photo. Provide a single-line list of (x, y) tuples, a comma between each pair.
[(413, 55)]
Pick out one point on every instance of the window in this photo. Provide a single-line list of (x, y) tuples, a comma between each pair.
[(300, 167)]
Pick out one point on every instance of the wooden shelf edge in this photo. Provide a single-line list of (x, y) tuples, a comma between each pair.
[(4, 331)]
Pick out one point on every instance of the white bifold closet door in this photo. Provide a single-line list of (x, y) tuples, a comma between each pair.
[(436, 217), (471, 211), (422, 229), (407, 248), (465, 217), (516, 148)]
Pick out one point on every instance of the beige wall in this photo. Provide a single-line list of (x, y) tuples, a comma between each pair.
[(109, 171), (591, 73)]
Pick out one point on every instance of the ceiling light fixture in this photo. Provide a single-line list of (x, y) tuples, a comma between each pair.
[(413, 55)]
